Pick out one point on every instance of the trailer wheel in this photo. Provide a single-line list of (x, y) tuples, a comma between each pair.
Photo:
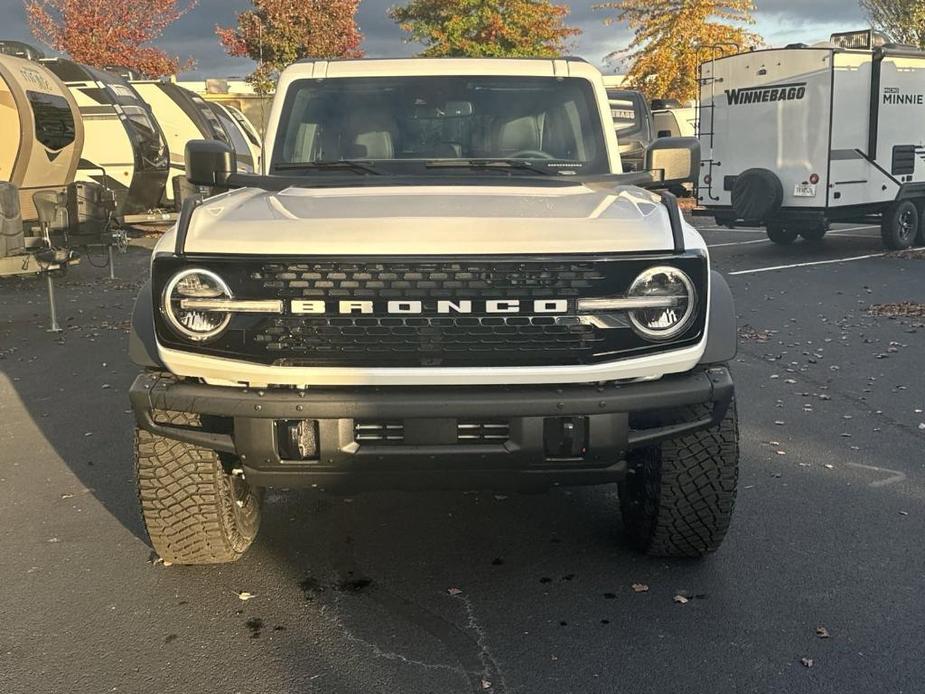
[(900, 225), (920, 238), (780, 234), (814, 233)]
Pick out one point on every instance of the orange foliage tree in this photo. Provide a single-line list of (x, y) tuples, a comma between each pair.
[(104, 33), (672, 37), (486, 28), (277, 33)]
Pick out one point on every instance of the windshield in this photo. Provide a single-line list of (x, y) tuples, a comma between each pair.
[(401, 124)]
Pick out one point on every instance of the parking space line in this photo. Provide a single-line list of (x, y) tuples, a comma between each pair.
[(838, 232), (737, 243), (834, 261), (894, 475)]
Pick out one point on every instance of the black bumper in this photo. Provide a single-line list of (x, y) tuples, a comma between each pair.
[(613, 419)]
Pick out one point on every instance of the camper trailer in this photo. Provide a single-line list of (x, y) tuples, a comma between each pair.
[(184, 116), (42, 133), (124, 149), (799, 137)]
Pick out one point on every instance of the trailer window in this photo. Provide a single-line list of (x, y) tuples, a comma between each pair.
[(215, 125), (54, 120)]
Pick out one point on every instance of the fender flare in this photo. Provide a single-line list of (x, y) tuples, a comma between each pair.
[(142, 343), (722, 339)]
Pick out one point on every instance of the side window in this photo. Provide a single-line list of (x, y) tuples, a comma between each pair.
[(54, 121)]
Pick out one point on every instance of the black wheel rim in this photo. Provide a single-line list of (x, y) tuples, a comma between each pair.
[(907, 224)]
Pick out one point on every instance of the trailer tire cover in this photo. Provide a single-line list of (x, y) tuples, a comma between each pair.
[(756, 195)]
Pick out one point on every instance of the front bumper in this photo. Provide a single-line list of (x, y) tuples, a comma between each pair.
[(614, 419)]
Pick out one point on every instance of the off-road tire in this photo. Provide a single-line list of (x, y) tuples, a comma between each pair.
[(780, 234), (195, 512), (900, 225), (678, 498)]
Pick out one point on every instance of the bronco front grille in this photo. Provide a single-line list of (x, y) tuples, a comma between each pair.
[(428, 338), (457, 280)]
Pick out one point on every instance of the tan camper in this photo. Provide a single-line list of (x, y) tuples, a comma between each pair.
[(43, 134)]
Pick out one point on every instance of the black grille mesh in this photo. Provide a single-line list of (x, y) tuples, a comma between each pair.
[(456, 280), (426, 335)]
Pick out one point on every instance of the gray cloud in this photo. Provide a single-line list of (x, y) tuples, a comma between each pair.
[(780, 21)]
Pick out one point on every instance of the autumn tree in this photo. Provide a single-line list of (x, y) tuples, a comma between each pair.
[(672, 37), (277, 33), (902, 20), (486, 28), (104, 33)]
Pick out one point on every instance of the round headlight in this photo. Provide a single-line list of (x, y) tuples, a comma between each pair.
[(181, 295), (675, 303)]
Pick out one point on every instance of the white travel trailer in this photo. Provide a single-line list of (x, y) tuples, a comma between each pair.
[(798, 137), (124, 148), (184, 116), (42, 133)]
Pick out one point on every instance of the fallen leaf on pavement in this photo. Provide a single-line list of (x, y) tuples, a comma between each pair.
[(822, 632), (681, 600), (244, 595), (454, 591), (806, 662), (640, 588)]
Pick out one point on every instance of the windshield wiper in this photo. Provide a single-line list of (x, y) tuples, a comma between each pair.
[(489, 165), (358, 167)]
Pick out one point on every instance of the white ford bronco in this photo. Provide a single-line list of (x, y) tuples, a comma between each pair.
[(440, 279)]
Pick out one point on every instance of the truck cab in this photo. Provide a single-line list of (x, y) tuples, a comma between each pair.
[(442, 278)]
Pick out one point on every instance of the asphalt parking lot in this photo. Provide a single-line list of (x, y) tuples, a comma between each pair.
[(354, 594)]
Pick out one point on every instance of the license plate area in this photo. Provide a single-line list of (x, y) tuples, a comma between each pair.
[(804, 190)]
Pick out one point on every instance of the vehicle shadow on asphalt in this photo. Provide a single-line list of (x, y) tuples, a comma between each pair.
[(73, 385)]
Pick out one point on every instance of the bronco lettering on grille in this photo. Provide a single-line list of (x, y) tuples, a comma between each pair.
[(413, 307)]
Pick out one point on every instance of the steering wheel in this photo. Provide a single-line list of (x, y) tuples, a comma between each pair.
[(531, 154)]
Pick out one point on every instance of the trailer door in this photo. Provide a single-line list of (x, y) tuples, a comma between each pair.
[(768, 110)]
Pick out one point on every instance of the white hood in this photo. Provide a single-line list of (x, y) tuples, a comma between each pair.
[(432, 220)]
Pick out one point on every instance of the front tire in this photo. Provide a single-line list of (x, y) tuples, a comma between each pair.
[(195, 512), (900, 225), (780, 234), (678, 498)]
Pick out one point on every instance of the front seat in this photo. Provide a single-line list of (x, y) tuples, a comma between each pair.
[(520, 135), (369, 135)]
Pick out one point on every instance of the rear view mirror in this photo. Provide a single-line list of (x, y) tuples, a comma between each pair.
[(673, 161), (210, 163)]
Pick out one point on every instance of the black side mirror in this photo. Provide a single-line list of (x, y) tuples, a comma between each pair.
[(210, 163), (673, 161)]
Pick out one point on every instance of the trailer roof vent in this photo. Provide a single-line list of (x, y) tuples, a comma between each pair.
[(864, 40)]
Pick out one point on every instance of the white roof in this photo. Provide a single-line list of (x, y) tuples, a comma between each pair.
[(535, 67)]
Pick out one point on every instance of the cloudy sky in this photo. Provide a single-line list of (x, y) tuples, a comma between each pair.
[(779, 21)]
